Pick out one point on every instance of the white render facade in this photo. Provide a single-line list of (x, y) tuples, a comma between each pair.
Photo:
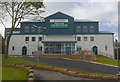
[(100, 41), (61, 34)]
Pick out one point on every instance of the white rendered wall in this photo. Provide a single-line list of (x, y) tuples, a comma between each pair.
[(100, 40), (18, 41)]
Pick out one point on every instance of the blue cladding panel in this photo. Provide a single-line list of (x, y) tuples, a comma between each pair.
[(89, 25), (26, 27), (59, 31), (29, 25)]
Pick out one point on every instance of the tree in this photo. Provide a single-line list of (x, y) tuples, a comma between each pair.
[(18, 11)]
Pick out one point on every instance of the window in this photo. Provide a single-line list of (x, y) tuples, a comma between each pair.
[(79, 48), (78, 29), (85, 38), (91, 29), (33, 30), (26, 29), (106, 47), (91, 38), (40, 38), (33, 38), (13, 48), (26, 38), (78, 38), (85, 29)]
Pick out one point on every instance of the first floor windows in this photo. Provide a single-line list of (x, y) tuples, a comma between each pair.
[(40, 38), (78, 38), (33, 38), (85, 38), (26, 38), (91, 38)]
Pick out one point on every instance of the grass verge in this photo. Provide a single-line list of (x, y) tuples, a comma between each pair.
[(13, 60), (13, 73)]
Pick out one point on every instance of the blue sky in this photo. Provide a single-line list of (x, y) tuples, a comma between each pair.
[(106, 12)]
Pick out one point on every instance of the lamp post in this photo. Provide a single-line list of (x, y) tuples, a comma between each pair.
[(39, 29), (117, 58), (28, 47)]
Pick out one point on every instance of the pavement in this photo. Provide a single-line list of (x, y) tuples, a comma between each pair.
[(76, 65), (50, 75)]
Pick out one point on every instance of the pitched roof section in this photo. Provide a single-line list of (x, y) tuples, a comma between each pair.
[(84, 20), (58, 13)]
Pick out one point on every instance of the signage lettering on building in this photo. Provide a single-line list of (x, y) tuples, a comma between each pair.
[(59, 23)]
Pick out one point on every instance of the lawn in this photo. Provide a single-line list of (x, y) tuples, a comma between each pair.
[(103, 60), (106, 60), (13, 60), (13, 73)]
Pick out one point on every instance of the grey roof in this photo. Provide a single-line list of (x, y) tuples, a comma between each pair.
[(84, 20), (105, 32), (33, 21)]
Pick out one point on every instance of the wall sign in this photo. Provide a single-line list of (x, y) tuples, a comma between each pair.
[(59, 23)]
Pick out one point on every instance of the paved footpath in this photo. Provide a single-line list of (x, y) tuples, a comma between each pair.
[(76, 65), (50, 75)]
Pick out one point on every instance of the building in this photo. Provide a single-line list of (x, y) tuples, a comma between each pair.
[(60, 34)]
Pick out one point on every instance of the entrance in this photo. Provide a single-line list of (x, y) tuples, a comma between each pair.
[(95, 50), (68, 50), (59, 48), (24, 50)]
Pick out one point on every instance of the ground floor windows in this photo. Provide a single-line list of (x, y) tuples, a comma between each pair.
[(59, 48), (13, 48), (79, 48), (33, 38)]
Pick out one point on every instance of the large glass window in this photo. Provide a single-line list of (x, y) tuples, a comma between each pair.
[(85, 29), (27, 29), (60, 48), (92, 29)]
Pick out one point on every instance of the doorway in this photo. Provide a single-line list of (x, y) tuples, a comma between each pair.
[(24, 50), (95, 50)]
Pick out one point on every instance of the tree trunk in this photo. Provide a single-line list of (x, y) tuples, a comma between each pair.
[(7, 44)]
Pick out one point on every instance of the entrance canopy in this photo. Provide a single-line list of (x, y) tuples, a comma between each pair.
[(59, 47), (59, 41)]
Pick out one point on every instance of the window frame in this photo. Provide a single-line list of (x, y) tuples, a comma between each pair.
[(33, 39), (26, 39), (78, 38)]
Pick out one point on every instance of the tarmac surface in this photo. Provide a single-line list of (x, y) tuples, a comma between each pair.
[(76, 65), (50, 75)]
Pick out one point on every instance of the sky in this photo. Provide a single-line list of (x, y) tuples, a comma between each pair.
[(104, 11)]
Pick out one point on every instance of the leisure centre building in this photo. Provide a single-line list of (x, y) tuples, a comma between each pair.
[(60, 34)]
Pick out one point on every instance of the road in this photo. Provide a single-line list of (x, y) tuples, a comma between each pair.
[(50, 75), (76, 65)]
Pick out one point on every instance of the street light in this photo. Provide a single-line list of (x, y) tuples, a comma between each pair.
[(117, 57), (43, 28), (28, 47)]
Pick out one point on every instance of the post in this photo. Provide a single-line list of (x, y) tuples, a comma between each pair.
[(117, 57)]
